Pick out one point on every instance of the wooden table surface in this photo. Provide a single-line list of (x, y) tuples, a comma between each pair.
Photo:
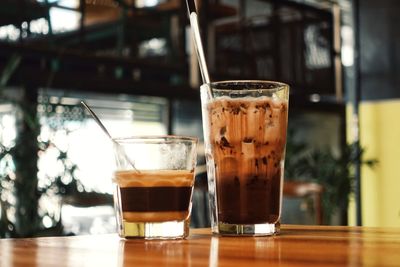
[(295, 246)]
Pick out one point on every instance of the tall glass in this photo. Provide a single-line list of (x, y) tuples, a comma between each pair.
[(245, 125), (154, 185)]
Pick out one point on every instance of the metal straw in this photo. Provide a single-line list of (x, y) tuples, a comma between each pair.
[(194, 23), (118, 147)]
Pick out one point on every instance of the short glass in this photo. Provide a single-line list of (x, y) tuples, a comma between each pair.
[(245, 124), (154, 185)]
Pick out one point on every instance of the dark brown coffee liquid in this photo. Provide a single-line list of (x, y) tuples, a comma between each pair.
[(255, 201), (145, 199)]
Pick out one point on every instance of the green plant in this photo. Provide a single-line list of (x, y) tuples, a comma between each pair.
[(20, 193), (335, 174)]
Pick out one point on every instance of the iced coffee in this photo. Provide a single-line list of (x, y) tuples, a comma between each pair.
[(246, 136)]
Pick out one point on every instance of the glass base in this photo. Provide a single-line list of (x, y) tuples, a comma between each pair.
[(263, 229), (155, 230)]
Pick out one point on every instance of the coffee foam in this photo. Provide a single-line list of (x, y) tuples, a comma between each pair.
[(153, 178)]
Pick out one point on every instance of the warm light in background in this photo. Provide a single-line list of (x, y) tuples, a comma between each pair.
[(86, 146)]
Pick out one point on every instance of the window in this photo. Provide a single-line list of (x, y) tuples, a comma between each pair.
[(75, 149)]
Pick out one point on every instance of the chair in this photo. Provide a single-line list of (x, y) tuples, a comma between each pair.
[(297, 189)]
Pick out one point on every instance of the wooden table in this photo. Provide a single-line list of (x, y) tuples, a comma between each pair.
[(295, 246)]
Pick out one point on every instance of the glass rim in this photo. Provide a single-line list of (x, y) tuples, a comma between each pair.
[(248, 81), (155, 139), (218, 85)]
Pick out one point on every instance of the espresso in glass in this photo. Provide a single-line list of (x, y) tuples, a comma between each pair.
[(154, 196), (154, 186)]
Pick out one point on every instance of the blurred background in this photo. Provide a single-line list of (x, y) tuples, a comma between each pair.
[(133, 62)]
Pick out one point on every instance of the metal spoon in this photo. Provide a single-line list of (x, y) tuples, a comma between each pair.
[(120, 150)]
